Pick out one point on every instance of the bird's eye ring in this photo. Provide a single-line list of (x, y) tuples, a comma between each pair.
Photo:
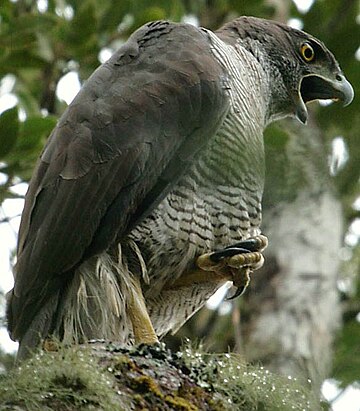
[(307, 52)]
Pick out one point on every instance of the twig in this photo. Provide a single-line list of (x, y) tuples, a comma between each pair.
[(7, 219)]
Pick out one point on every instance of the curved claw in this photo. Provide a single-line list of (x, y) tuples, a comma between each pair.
[(251, 245), (258, 243), (235, 263), (217, 256), (237, 293), (254, 244)]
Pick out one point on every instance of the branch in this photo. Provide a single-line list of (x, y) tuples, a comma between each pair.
[(8, 219), (105, 376)]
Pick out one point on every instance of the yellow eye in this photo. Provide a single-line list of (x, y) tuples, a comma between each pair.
[(307, 52)]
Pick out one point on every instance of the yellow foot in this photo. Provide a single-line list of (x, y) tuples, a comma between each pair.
[(236, 262)]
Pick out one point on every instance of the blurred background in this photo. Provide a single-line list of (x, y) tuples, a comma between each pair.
[(301, 313)]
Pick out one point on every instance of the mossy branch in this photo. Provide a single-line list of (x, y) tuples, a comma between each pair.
[(105, 376)]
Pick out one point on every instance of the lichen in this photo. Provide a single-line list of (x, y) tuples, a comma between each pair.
[(180, 403), (247, 387), (146, 384), (107, 377)]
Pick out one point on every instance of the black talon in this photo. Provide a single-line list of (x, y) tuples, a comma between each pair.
[(252, 244), (237, 293), (227, 252)]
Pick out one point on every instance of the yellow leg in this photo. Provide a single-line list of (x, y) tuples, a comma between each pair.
[(236, 268), (199, 276), (136, 310)]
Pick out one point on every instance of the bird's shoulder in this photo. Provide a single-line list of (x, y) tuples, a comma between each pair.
[(165, 76)]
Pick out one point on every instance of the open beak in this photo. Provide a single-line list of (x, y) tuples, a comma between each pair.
[(316, 87)]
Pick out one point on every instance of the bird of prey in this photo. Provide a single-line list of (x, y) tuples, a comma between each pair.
[(147, 195)]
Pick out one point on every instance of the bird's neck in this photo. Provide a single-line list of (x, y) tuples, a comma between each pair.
[(239, 141)]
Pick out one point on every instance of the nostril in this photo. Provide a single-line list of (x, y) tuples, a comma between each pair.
[(338, 77)]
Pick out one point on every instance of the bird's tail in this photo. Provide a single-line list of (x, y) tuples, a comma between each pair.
[(93, 305), (39, 327)]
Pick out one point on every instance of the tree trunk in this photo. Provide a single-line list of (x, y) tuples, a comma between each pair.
[(291, 310)]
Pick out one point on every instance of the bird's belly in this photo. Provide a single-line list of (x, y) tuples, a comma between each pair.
[(180, 229)]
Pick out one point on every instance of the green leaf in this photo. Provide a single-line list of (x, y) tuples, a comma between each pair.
[(150, 14), (28, 98), (82, 27), (347, 354), (21, 32), (112, 14), (32, 135), (276, 137), (33, 130), (17, 60), (9, 129)]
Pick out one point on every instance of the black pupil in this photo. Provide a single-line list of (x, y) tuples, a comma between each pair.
[(308, 53)]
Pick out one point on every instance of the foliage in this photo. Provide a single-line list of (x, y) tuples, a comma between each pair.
[(149, 377), (347, 355)]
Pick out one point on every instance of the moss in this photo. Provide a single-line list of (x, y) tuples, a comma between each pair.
[(152, 378), (68, 380), (179, 403), (145, 384), (121, 361), (244, 387)]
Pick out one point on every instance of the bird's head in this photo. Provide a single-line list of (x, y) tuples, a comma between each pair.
[(298, 66)]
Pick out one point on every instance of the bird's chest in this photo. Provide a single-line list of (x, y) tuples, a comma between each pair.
[(215, 204)]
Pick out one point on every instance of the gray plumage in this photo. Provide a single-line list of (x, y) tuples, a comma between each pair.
[(158, 160)]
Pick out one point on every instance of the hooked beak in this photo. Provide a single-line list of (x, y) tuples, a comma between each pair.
[(315, 87)]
